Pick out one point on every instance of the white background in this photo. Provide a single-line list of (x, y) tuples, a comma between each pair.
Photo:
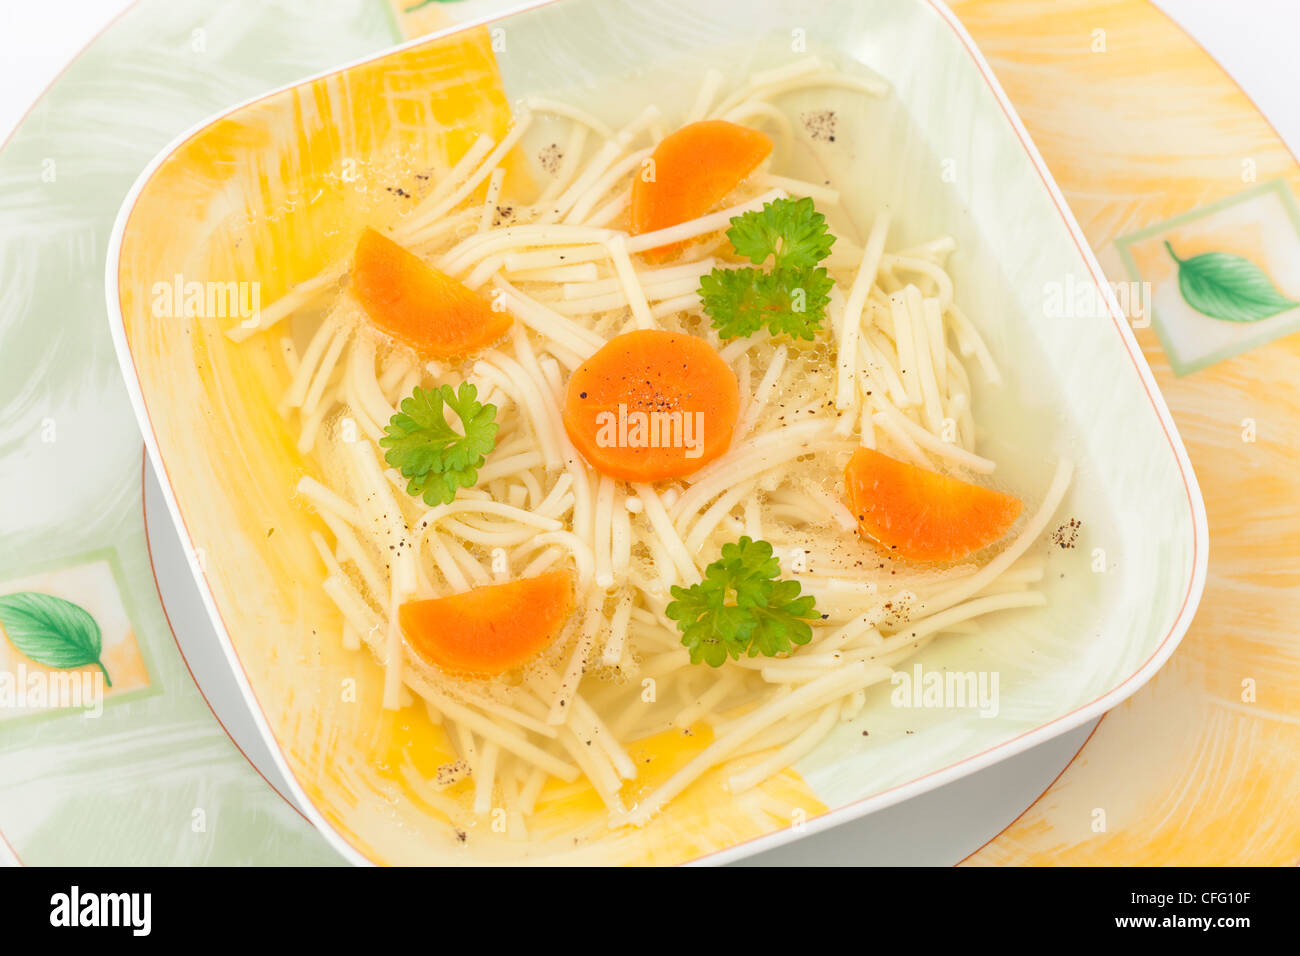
[(1255, 40)]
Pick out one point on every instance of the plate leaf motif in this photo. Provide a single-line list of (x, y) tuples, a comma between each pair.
[(1228, 287), (52, 631)]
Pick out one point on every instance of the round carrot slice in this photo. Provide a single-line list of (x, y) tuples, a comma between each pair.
[(412, 301), (489, 630), (651, 405), (693, 169), (922, 515)]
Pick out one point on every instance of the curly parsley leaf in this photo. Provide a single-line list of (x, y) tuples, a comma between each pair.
[(788, 301), (742, 607), (735, 302), (790, 231), (791, 297), (422, 445), (799, 299)]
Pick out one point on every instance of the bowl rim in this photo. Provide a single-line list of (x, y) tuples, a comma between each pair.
[(834, 817)]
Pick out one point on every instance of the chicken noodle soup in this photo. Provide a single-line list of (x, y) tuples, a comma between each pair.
[(666, 441)]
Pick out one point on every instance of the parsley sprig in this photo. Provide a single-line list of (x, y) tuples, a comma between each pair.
[(422, 445), (790, 231), (791, 297), (742, 607)]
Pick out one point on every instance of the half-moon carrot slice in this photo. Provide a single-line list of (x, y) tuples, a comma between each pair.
[(921, 515), (651, 405), (412, 301), (692, 170), (489, 630)]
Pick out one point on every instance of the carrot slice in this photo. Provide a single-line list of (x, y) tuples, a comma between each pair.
[(489, 630), (412, 301), (651, 405), (694, 168), (922, 515)]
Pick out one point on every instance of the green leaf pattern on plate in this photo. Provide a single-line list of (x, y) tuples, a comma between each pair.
[(52, 631), (1228, 287)]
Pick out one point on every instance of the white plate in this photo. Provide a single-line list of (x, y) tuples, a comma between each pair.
[(957, 161)]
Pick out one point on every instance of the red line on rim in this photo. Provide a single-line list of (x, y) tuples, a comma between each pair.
[(1033, 803), (148, 546), (67, 66), (10, 847)]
